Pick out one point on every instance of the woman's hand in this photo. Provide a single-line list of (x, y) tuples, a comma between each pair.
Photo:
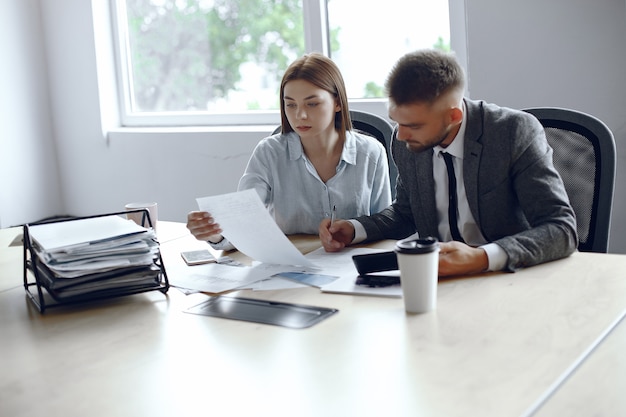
[(203, 226)]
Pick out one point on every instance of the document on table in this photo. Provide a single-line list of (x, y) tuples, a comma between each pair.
[(217, 278), (337, 275), (293, 279), (248, 225), (341, 264)]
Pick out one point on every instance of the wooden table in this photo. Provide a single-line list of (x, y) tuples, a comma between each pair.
[(597, 386), (497, 345)]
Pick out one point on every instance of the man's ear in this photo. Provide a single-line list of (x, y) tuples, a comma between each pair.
[(456, 115)]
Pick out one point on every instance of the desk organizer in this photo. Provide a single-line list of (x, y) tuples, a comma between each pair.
[(132, 261)]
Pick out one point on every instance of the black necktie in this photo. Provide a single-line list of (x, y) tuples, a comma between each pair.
[(452, 198)]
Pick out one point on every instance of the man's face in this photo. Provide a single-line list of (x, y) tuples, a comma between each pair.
[(422, 126)]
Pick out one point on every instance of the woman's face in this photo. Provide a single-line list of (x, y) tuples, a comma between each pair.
[(310, 110)]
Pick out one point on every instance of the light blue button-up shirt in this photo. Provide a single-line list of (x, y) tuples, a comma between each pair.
[(298, 199)]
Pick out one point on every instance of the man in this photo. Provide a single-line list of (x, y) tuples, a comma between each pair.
[(512, 211)]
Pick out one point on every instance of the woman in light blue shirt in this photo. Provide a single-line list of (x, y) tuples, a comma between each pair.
[(316, 163)]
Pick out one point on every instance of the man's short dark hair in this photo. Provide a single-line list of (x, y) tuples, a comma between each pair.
[(423, 76)]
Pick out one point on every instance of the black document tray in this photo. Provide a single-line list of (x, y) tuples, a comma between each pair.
[(43, 294), (295, 316)]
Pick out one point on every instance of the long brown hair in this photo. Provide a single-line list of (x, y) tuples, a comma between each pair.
[(322, 72)]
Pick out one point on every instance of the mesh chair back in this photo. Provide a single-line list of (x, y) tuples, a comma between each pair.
[(584, 156), (382, 130)]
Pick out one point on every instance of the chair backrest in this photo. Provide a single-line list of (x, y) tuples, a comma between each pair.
[(584, 155), (379, 128)]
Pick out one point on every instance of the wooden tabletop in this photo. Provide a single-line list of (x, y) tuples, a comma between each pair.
[(596, 387), (496, 345)]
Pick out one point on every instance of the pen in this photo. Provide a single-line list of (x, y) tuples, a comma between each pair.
[(332, 215)]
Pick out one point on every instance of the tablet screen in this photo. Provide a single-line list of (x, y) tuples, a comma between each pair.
[(295, 316)]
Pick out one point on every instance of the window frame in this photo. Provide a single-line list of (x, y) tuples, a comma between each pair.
[(316, 39)]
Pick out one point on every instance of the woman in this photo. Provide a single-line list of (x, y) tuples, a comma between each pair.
[(317, 164)]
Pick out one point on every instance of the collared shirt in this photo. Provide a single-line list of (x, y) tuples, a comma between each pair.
[(298, 199), (467, 224)]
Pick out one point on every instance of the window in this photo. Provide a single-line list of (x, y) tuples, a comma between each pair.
[(369, 37), (216, 62)]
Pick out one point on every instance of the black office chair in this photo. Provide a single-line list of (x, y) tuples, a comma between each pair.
[(379, 128), (584, 155)]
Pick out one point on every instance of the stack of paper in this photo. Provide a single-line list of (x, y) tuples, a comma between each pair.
[(94, 256), (248, 225)]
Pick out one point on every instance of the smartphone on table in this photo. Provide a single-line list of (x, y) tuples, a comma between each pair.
[(198, 257)]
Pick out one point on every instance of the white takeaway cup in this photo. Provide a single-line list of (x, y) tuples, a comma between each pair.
[(138, 217), (418, 261)]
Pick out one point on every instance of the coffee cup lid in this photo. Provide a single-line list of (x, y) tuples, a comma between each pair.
[(423, 245)]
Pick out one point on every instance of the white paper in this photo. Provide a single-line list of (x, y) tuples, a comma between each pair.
[(215, 278), (276, 283), (247, 224), (341, 264), (81, 232), (74, 248)]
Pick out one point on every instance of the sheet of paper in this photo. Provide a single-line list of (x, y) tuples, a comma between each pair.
[(309, 278), (275, 283), (216, 278), (81, 232), (247, 224), (340, 264)]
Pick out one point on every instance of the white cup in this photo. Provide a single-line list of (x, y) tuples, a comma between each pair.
[(418, 261), (138, 216)]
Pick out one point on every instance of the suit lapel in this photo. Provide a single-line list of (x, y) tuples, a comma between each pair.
[(471, 156)]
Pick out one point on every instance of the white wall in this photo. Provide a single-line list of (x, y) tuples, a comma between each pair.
[(562, 52), (100, 173), (29, 187)]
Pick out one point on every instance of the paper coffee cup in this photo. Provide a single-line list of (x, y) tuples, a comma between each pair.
[(418, 261), (138, 217)]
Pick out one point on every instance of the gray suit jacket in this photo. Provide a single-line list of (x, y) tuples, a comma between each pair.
[(514, 192)]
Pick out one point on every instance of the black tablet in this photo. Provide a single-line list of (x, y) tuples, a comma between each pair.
[(375, 262), (295, 316)]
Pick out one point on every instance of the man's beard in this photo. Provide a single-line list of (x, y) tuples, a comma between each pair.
[(421, 147)]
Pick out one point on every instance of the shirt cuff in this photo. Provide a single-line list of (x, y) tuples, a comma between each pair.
[(223, 244), (359, 232), (496, 256)]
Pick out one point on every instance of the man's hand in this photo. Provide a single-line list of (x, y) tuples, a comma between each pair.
[(336, 236), (456, 258)]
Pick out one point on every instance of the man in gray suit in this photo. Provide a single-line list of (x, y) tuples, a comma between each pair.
[(512, 210)]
